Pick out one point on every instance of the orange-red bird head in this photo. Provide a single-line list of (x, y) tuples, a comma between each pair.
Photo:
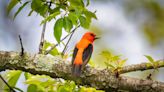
[(90, 36)]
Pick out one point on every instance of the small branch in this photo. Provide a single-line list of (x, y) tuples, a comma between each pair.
[(22, 49), (63, 52), (56, 67), (140, 67), (48, 51), (11, 89), (42, 38)]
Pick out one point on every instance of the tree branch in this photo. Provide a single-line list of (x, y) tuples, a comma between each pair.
[(141, 67), (56, 67)]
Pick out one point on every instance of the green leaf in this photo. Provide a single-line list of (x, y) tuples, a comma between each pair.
[(11, 5), (67, 23), (50, 17), (73, 18), (69, 86), (20, 8), (54, 52), (76, 3), (46, 45), (27, 75), (109, 65), (106, 54), (122, 62), (116, 58), (39, 6), (84, 22), (32, 88), (57, 9), (89, 14), (13, 78), (150, 59), (58, 29), (88, 2), (41, 83)]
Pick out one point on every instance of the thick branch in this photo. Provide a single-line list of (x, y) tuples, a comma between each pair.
[(141, 67), (58, 68)]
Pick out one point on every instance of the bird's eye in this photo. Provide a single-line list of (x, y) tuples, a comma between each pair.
[(92, 34)]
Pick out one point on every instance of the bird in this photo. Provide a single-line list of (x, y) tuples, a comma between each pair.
[(82, 52)]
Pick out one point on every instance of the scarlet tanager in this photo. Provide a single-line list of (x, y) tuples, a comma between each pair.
[(82, 53)]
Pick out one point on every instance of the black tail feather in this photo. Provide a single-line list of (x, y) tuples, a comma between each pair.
[(76, 70)]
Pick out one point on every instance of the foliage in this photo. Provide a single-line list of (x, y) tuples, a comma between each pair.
[(151, 62), (47, 45), (67, 13), (12, 77), (43, 83), (113, 62)]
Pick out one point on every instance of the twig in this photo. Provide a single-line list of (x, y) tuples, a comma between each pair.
[(22, 49), (11, 89), (63, 52), (48, 51), (43, 31), (42, 39), (140, 67)]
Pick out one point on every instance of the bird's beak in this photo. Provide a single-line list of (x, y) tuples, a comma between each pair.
[(97, 38)]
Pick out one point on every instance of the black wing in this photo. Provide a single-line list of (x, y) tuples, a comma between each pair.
[(74, 54), (87, 54)]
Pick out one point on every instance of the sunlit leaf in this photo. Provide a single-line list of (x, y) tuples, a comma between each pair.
[(40, 82), (67, 87), (20, 8), (115, 58), (89, 89), (54, 52), (106, 54), (46, 45), (58, 29), (110, 65), (27, 75), (13, 77), (122, 62), (32, 88), (150, 59)]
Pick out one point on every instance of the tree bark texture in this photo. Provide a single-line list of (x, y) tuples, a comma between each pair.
[(56, 67)]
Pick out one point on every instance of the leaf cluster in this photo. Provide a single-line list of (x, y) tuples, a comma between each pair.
[(114, 62), (67, 13)]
